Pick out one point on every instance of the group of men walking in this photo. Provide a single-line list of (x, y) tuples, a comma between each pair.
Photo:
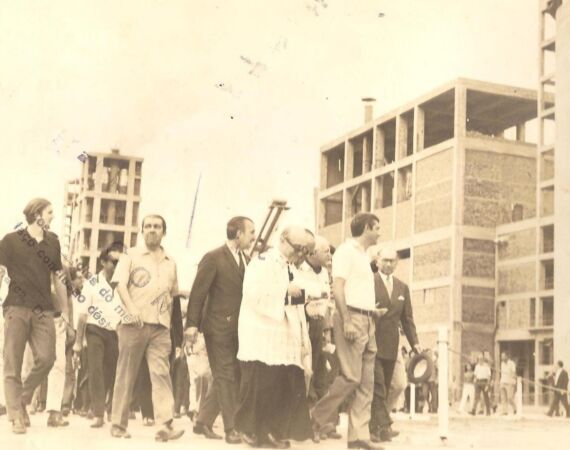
[(266, 324)]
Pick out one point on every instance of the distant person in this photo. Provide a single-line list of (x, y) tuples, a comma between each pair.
[(482, 380), (468, 392), (393, 295), (213, 308), (508, 383), (31, 258), (354, 332), (146, 283), (560, 378)]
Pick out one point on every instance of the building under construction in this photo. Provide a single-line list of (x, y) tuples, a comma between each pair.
[(102, 206), (453, 178)]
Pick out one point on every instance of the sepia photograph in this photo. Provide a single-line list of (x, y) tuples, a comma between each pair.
[(305, 224)]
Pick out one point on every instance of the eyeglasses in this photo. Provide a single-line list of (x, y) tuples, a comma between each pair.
[(114, 261), (300, 249)]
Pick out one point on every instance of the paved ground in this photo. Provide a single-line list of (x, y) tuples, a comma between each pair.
[(534, 432)]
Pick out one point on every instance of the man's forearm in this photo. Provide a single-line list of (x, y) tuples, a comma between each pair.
[(81, 323), (340, 301), (61, 294)]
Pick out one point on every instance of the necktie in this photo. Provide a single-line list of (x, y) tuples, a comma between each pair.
[(389, 285), (241, 264)]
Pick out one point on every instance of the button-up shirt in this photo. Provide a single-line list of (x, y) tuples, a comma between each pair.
[(237, 254), (482, 371), (151, 283), (100, 302), (388, 281), (508, 372), (351, 263)]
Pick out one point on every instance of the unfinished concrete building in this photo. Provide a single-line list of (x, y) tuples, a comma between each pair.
[(452, 176), (105, 207)]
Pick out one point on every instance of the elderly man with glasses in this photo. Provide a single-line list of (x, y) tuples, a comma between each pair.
[(274, 346)]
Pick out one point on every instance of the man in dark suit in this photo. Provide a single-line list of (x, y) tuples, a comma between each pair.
[(560, 382), (393, 295), (213, 309)]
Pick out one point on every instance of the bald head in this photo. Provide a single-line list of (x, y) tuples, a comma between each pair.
[(321, 254), (387, 260), (296, 244)]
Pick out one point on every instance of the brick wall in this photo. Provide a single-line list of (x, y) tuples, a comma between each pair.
[(478, 304), (432, 260), (431, 305), (516, 278), (478, 258), (519, 244)]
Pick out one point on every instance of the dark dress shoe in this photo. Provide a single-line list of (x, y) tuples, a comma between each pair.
[(18, 427), (167, 433), (365, 445), (334, 435), (249, 439), (393, 433), (55, 420), (118, 432), (200, 428), (272, 442), (376, 438), (233, 437), (98, 422)]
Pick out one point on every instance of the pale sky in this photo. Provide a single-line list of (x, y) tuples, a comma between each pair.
[(244, 91)]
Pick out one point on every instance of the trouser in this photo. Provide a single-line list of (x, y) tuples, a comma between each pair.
[(56, 377), (482, 388), (397, 386), (222, 356), (152, 341), (559, 397), (22, 325), (82, 398), (69, 377), (380, 414), (316, 326), (468, 394), (142, 393), (507, 392), (356, 378), (430, 395), (102, 354), (180, 384)]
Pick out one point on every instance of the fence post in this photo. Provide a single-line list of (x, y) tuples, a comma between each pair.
[(443, 383), (519, 398)]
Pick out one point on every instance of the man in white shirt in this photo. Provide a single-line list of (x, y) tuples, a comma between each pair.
[(508, 383), (482, 381), (98, 314), (274, 347), (354, 331)]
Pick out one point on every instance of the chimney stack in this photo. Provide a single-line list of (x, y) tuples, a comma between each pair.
[(368, 109)]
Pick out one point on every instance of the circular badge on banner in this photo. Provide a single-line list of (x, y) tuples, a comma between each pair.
[(140, 277)]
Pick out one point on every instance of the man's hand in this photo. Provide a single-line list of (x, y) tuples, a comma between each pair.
[(76, 359), (190, 338), (379, 312), (177, 353), (293, 290), (327, 336), (135, 316), (418, 348), (349, 330)]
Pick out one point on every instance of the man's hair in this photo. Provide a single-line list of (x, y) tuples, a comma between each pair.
[(156, 216), (114, 247), (34, 207), (235, 224), (360, 221), (560, 364)]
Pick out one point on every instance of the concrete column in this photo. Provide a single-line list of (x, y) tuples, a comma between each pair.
[(562, 189), (365, 155), (379, 152)]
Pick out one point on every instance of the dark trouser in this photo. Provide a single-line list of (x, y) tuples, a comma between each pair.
[(482, 387), (180, 384), (209, 407), (272, 399), (316, 327), (407, 396), (102, 354), (69, 377), (222, 355), (380, 415), (142, 394), (22, 325), (559, 397), (429, 394), (152, 341)]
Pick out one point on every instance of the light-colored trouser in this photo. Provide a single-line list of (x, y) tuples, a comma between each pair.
[(56, 377), (507, 392), (200, 382), (468, 393), (152, 341), (356, 378), (398, 385)]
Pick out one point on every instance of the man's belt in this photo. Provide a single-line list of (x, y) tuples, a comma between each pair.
[(364, 312), (295, 300)]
